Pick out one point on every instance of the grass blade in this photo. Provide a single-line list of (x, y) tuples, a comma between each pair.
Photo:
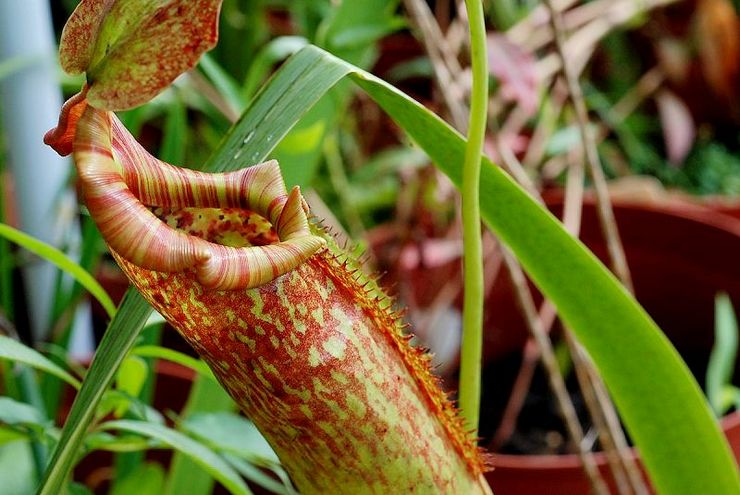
[(724, 352), (118, 339), (61, 260), (13, 350), (202, 455), (159, 352)]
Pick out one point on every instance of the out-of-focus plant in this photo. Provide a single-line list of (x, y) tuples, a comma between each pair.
[(559, 265), (721, 392)]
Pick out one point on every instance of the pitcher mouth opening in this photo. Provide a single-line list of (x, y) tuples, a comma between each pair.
[(230, 227), (249, 229), (244, 248)]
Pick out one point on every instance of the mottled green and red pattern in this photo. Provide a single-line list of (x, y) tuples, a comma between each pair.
[(307, 345), (133, 49), (315, 357), (318, 361)]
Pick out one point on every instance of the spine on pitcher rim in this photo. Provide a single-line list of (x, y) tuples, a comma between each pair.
[(307, 345)]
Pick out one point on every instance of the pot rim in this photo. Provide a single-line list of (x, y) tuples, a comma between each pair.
[(729, 423)]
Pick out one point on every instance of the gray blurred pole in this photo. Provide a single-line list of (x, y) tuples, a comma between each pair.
[(31, 99)]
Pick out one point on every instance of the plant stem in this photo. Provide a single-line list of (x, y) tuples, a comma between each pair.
[(470, 366)]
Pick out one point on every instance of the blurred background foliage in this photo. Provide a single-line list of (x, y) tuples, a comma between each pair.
[(661, 79)]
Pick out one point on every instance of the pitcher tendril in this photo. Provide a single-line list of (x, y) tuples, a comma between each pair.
[(308, 346)]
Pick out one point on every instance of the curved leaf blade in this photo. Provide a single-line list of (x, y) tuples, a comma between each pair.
[(158, 352), (58, 258), (202, 455), (660, 401), (13, 350)]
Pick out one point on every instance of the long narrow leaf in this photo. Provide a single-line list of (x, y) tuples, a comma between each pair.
[(660, 401), (118, 339), (159, 352), (202, 455), (61, 260), (724, 352), (205, 396), (13, 350)]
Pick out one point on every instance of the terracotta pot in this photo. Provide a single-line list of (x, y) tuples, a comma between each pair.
[(563, 474), (680, 256)]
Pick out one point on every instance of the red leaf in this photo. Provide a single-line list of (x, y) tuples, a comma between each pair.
[(80, 34)]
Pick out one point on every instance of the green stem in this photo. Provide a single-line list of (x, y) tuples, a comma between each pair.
[(470, 367)]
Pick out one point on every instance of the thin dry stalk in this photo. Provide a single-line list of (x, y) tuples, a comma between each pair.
[(557, 383), (444, 62), (546, 125), (535, 31), (603, 203), (512, 165), (648, 84), (627, 475), (581, 363), (534, 22)]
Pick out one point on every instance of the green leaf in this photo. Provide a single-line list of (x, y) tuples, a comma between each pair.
[(231, 433), (118, 403), (299, 153), (13, 412), (175, 133), (236, 437), (722, 360), (15, 351), (198, 452), (102, 440), (223, 82), (65, 264), (16, 468), (660, 402), (130, 380), (184, 475), (158, 352), (259, 476), (146, 479), (8, 435), (274, 51), (662, 405), (74, 488)]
